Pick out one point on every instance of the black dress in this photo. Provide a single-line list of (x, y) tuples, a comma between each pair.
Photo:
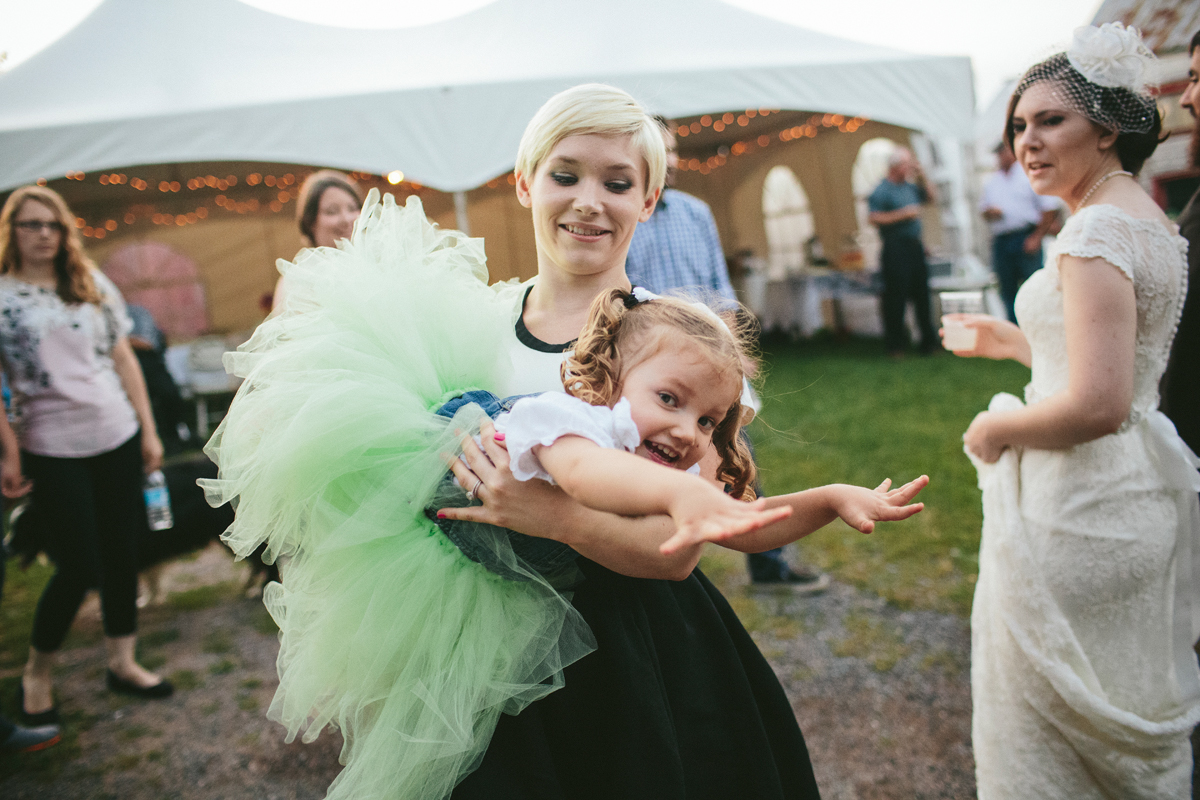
[(677, 702)]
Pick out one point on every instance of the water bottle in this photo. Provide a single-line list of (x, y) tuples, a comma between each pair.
[(158, 502)]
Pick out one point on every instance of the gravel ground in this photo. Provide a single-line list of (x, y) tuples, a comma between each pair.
[(882, 696)]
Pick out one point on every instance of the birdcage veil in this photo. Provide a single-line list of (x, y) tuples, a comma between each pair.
[(1106, 75)]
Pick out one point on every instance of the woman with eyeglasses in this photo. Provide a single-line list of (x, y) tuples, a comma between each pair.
[(82, 437)]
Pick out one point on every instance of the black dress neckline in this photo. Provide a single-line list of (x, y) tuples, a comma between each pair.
[(534, 343)]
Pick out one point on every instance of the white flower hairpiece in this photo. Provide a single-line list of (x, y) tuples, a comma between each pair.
[(1112, 56)]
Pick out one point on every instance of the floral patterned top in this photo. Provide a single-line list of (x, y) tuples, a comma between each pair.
[(68, 400)]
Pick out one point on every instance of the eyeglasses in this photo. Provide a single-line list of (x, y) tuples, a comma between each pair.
[(33, 226)]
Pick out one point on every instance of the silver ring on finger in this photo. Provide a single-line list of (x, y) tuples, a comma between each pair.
[(474, 493)]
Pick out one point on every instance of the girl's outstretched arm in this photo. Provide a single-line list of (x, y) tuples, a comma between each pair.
[(812, 509), (626, 484), (627, 545)]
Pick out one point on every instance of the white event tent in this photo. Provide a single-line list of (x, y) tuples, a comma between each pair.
[(147, 81)]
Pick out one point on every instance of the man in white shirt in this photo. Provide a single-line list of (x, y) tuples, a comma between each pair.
[(1019, 220)]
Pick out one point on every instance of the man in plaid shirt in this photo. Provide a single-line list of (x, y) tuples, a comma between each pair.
[(678, 248)]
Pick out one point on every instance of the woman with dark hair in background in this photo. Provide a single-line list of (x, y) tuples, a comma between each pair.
[(84, 437), (328, 205), (1083, 677)]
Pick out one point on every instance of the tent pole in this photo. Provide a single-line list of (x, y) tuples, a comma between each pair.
[(460, 212)]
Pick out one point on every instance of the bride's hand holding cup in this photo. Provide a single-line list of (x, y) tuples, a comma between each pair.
[(987, 336), (956, 307)]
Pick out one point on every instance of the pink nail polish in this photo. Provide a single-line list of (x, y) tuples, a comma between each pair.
[(441, 515), (499, 437)]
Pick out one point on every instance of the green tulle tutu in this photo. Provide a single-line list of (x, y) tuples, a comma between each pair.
[(329, 453)]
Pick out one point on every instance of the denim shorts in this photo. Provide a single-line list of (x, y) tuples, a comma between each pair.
[(478, 540)]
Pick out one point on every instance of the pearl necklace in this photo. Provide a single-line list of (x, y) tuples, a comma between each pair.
[(1096, 185)]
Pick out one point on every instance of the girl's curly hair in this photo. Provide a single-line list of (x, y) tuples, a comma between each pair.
[(621, 332)]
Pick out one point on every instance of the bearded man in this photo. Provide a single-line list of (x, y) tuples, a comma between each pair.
[(1180, 388)]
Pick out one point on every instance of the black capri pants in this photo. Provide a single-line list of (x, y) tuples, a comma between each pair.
[(94, 510)]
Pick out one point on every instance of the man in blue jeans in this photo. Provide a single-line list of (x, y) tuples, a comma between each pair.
[(1019, 219), (679, 248)]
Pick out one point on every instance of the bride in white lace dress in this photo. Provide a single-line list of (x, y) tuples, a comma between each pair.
[(1084, 680)]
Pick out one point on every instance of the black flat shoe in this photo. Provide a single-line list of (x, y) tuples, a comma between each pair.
[(121, 686), (47, 717)]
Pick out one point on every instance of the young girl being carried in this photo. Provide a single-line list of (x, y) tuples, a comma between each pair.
[(661, 379), (411, 629)]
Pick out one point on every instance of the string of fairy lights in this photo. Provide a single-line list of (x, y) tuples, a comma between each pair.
[(808, 130), (288, 184)]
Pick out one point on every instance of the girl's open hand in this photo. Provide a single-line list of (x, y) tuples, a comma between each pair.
[(717, 517), (861, 508)]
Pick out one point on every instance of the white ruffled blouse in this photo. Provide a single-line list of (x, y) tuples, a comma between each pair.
[(543, 419)]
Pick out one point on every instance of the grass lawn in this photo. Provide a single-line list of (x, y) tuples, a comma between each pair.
[(21, 592), (844, 413), (833, 413)]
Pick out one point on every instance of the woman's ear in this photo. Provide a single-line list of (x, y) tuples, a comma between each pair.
[(648, 207), (1108, 138), (523, 194)]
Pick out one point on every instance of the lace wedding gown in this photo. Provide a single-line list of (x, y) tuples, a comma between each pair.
[(1084, 680)]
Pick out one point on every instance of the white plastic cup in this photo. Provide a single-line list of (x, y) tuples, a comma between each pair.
[(961, 302), (957, 336)]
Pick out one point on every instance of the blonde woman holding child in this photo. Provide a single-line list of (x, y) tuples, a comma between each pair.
[(560, 580)]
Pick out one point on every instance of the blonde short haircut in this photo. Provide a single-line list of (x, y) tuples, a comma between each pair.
[(593, 108)]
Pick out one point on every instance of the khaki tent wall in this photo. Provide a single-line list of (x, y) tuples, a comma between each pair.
[(506, 226), (823, 167), (236, 260), (236, 253)]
